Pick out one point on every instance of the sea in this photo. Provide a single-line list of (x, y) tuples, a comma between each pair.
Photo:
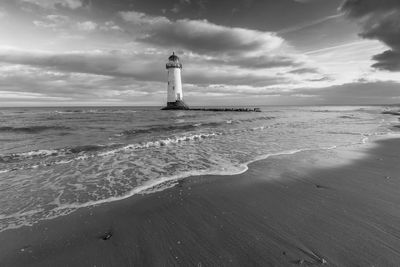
[(54, 161)]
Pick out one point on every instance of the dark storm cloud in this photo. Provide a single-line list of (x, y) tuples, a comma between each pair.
[(388, 60), (380, 20), (360, 8)]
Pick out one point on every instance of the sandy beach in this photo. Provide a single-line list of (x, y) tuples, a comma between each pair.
[(335, 207)]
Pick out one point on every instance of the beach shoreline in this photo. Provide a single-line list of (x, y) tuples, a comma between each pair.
[(336, 207)]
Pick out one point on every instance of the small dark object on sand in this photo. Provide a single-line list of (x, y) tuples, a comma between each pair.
[(321, 186), (106, 236), (180, 183)]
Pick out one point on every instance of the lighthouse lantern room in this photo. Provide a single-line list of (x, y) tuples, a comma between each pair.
[(175, 94)]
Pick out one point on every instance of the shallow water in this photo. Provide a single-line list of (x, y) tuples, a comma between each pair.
[(55, 160)]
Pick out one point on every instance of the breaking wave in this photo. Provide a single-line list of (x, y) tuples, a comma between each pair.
[(187, 127), (168, 128), (87, 151)]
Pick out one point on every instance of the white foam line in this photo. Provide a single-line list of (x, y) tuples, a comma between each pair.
[(288, 152), (31, 154), (20, 214), (145, 188)]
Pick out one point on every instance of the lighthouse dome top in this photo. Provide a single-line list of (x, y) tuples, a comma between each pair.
[(173, 57), (173, 62)]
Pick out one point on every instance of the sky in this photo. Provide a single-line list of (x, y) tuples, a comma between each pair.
[(234, 52)]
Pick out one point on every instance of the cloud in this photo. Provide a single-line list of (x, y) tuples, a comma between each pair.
[(27, 85), (61, 23), (379, 20), (219, 44), (202, 36), (138, 66), (108, 63), (87, 26), (357, 93), (115, 77), (382, 92), (388, 60), (304, 71), (51, 4), (205, 78), (142, 19), (309, 24), (52, 22), (260, 62), (360, 8), (110, 26)]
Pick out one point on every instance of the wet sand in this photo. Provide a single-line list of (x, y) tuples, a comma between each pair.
[(335, 208)]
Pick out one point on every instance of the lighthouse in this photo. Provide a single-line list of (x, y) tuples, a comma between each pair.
[(174, 93)]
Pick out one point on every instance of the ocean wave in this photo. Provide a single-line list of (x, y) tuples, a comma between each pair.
[(168, 128), (327, 111), (89, 151), (83, 152), (159, 143), (68, 111), (51, 153), (73, 111), (86, 148), (187, 126), (28, 155), (263, 118), (33, 129), (93, 111)]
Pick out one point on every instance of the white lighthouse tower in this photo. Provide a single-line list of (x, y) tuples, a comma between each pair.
[(175, 94)]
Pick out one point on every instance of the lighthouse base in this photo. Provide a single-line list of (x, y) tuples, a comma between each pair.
[(177, 105)]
